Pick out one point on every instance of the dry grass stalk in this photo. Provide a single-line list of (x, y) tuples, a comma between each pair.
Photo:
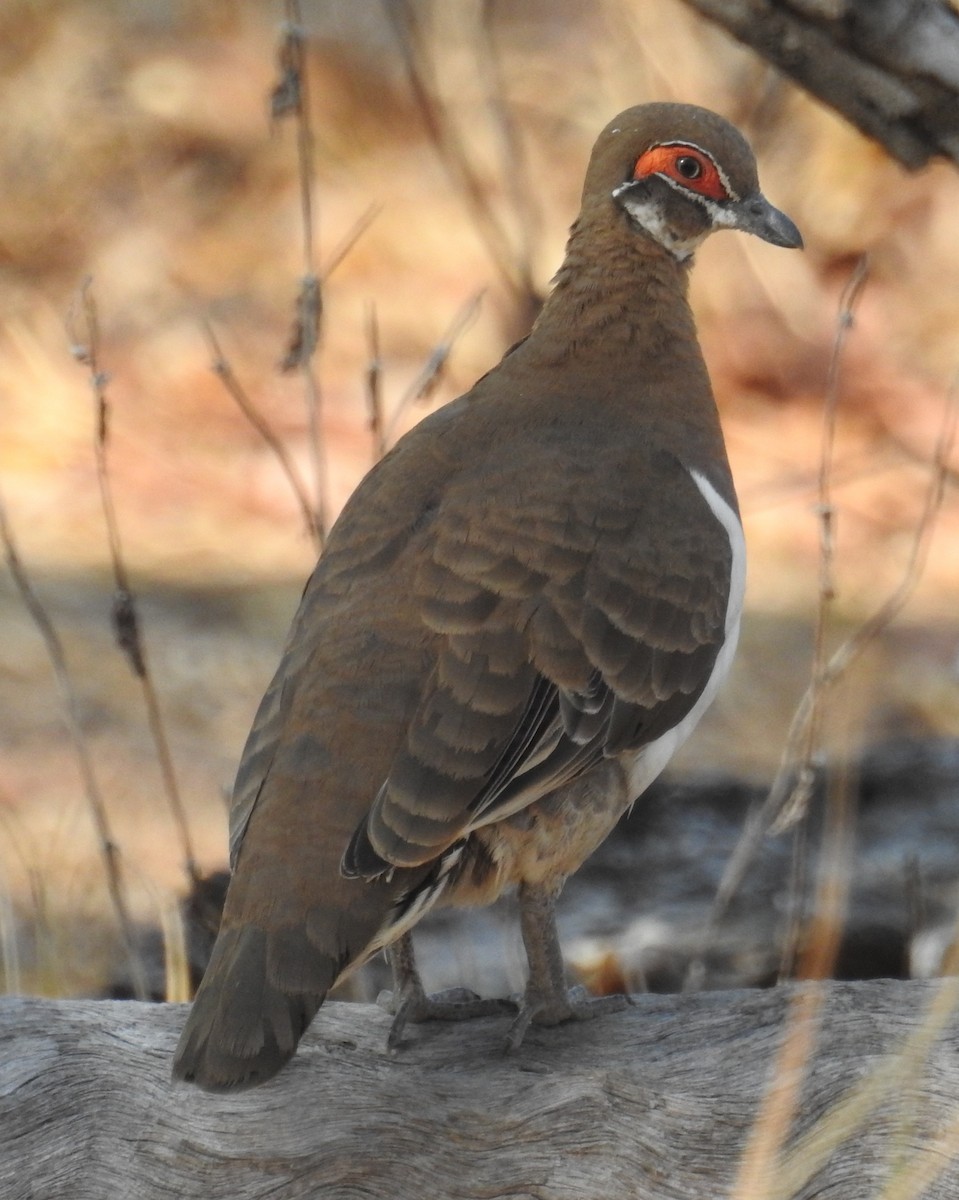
[(290, 97), (514, 165), (125, 619), (176, 963), (223, 370), (766, 818), (374, 384), (9, 945), (912, 1173), (432, 371), (761, 1173), (770, 1172), (512, 263), (360, 226), (845, 655), (794, 805), (109, 851)]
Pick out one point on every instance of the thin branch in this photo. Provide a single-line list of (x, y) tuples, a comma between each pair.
[(108, 847), (221, 368), (124, 615)]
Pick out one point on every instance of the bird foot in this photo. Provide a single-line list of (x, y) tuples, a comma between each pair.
[(577, 1004), (412, 1005)]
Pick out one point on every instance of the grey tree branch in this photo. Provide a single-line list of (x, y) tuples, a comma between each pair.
[(891, 67), (666, 1100)]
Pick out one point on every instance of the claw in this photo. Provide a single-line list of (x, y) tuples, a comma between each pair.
[(409, 1002), (578, 1005)]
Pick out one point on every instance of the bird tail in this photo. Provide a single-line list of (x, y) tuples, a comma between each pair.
[(252, 1008)]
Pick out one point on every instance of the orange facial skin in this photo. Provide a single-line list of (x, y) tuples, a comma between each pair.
[(680, 162)]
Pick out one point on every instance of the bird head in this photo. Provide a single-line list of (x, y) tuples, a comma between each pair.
[(678, 173)]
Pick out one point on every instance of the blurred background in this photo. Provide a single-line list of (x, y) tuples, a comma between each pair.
[(138, 150)]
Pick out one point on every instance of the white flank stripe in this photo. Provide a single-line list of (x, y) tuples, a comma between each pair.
[(657, 754)]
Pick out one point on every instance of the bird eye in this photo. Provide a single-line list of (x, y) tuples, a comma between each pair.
[(689, 167)]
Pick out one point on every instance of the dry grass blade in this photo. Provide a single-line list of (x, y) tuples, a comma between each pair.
[(9, 946), (889, 1081), (108, 847), (126, 624), (176, 965), (760, 1173), (221, 368)]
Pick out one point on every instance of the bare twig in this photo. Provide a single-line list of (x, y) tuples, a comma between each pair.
[(769, 815), (451, 150), (290, 97), (125, 619), (432, 371), (220, 366), (515, 167), (374, 384), (794, 805), (360, 226), (913, 454), (842, 658), (108, 848)]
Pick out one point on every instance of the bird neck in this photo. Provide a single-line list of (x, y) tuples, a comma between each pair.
[(618, 295), (616, 339)]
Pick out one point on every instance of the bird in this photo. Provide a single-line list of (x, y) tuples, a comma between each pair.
[(521, 612)]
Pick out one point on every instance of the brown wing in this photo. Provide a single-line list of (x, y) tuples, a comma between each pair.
[(579, 630)]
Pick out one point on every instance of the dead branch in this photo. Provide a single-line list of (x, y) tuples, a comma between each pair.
[(891, 67), (660, 1101)]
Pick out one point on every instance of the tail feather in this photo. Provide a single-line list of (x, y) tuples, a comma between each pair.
[(246, 1020)]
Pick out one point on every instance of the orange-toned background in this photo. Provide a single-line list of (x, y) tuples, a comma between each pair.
[(136, 148)]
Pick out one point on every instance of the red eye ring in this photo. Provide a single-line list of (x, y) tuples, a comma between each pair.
[(674, 162)]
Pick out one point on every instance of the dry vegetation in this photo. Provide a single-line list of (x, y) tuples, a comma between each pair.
[(137, 149)]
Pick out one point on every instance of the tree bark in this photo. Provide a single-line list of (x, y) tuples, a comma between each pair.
[(660, 1102), (891, 67)]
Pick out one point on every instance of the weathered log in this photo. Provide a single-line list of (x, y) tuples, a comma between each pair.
[(660, 1102)]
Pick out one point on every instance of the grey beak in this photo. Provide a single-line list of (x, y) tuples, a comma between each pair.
[(756, 215)]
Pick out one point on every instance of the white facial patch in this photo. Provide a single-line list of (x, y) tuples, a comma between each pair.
[(648, 216)]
